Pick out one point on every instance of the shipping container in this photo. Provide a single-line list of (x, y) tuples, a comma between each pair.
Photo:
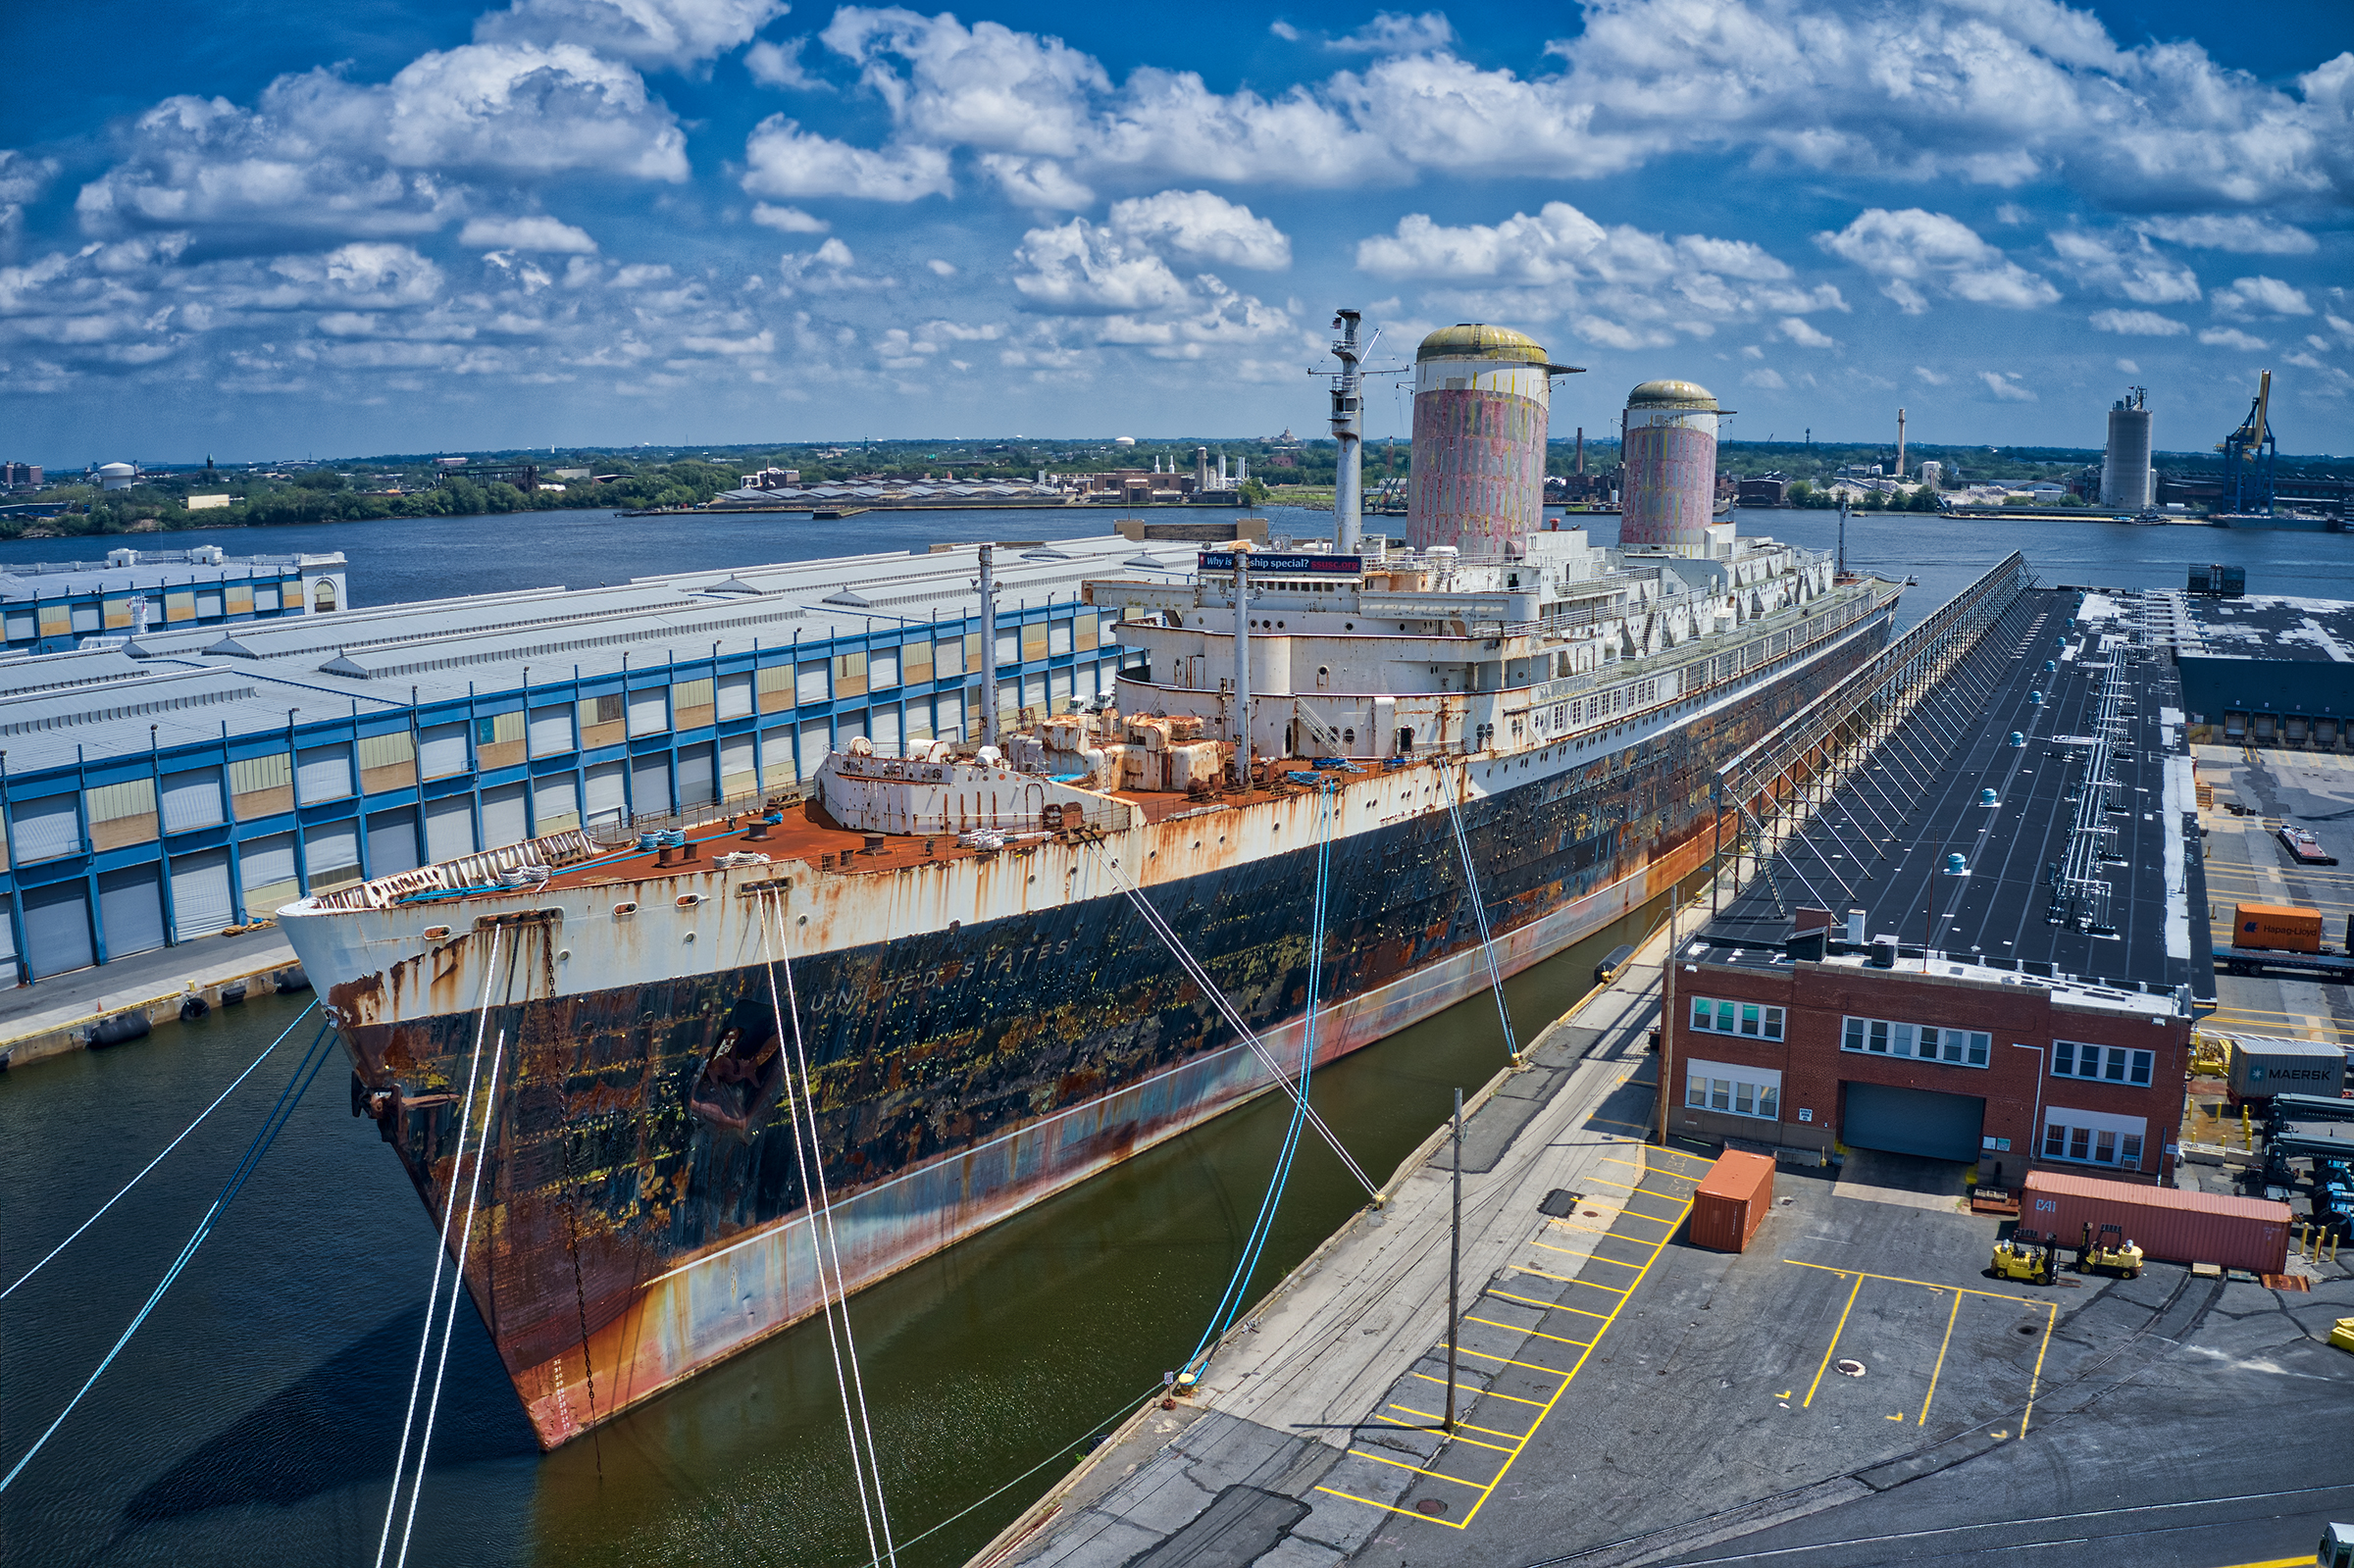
[(2170, 1226), (1731, 1204), (2283, 927), (2262, 1068)]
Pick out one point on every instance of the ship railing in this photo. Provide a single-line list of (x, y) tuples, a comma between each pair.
[(614, 827), (485, 872)]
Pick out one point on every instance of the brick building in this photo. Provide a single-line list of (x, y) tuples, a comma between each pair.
[(2043, 856)]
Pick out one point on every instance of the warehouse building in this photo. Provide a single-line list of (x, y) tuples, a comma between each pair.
[(52, 606), (162, 788), (2265, 670), (1978, 948)]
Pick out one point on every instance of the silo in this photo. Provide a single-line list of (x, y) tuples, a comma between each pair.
[(1481, 398), (2126, 469), (1668, 497)]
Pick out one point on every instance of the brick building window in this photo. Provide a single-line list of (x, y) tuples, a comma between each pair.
[(1925, 1042), (2093, 1137), (1733, 1089), (1753, 1019), (2111, 1064)]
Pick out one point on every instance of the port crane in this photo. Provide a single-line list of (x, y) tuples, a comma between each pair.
[(2248, 456)]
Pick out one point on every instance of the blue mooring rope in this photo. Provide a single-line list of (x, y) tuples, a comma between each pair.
[(1230, 1304), (280, 1113)]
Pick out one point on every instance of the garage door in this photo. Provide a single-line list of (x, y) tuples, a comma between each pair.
[(200, 901), (131, 910), (57, 928), (1913, 1121)]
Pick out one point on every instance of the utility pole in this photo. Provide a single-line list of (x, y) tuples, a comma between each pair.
[(1455, 1261), (989, 648), (1667, 1012), (1242, 665)]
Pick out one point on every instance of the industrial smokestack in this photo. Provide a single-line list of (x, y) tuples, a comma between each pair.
[(1668, 460), (1899, 443), (1482, 396)]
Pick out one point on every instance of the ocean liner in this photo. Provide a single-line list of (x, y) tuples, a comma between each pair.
[(922, 994)]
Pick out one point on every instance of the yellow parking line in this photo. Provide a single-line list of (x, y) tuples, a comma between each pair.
[(1433, 1475), (1622, 1185), (1386, 1507), (1530, 1300), (2036, 1377), (1926, 1285), (1940, 1366), (1829, 1349), (1550, 1372), (1598, 1258), (1451, 1436), (1491, 1393), (1433, 1415), (1516, 1329)]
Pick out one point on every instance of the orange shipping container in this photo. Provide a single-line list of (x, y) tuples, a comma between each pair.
[(2283, 927), (1731, 1204), (2172, 1226)]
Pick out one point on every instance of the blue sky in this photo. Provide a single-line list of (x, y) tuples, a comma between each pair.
[(259, 230)]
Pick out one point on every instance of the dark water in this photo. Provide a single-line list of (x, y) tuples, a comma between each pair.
[(255, 1415)]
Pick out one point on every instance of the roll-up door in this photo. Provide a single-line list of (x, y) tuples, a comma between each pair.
[(393, 842), (7, 937), (948, 715), (698, 783), (555, 803), (777, 769), (331, 853), (502, 817), (649, 785), (608, 794), (882, 729), (47, 829), (441, 749), (131, 910), (266, 867), (200, 901), (738, 774), (649, 712), (324, 773), (1913, 1121), (816, 740), (736, 695), (192, 799), (57, 928), (551, 731), (449, 827)]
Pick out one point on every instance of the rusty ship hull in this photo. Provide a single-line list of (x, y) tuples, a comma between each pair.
[(982, 1031)]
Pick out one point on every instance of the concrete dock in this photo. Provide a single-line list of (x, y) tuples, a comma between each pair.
[(53, 1016)]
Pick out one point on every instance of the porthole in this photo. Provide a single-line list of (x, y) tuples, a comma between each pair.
[(433, 934), (623, 911)]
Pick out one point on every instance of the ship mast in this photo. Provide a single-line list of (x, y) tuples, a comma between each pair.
[(989, 648), (1348, 430), (1242, 664)]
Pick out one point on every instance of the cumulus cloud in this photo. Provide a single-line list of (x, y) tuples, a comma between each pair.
[(524, 233), (784, 160), (2241, 232), (2004, 384), (1205, 227), (778, 65), (792, 220), (1079, 267), (2261, 296), (1767, 377), (1390, 33), (1040, 183), (1911, 248), (1800, 332), (1933, 377), (2131, 267), (672, 33), (2233, 337), (2130, 367), (2138, 323)]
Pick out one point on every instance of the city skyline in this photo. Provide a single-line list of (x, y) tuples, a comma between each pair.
[(724, 222)]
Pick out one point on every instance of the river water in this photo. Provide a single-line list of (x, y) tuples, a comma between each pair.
[(256, 1413)]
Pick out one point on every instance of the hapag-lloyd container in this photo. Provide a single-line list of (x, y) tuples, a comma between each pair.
[(1731, 1202), (2172, 1226)]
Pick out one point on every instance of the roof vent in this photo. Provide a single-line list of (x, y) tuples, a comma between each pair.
[(849, 598)]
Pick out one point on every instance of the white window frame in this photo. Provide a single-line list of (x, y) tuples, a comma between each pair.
[(2134, 1067), (2100, 1139), (1726, 1087), (1743, 1019), (1916, 1043)]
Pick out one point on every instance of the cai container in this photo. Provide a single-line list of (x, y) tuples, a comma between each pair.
[(2170, 1226), (1731, 1204)]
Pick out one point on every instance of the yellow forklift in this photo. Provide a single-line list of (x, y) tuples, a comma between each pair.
[(2109, 1250), (2028, 1256)]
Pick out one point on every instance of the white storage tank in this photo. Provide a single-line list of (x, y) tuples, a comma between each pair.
[(2125, 480)]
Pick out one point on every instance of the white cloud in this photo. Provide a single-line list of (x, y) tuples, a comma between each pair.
[(22, 180), (778, 65), (2004, 384), (942, 268), (1390, 33), (1767, 376), (783, 160), (673, 33), (2128, 367), (1912, 247), (2138, 323), (2243, 232), (1204, 227), (1039, 183), (2268, 296), (1933, 377), (2133, 267), (792, 220), (1799, 331), (1078, 269), (1284, 31), (524, 233), (2231, 337)]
